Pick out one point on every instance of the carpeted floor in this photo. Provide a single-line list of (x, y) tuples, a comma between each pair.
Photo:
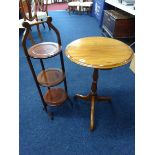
[(57, 6), (68, 133)]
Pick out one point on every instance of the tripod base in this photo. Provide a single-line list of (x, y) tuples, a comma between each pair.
[(92, 98)]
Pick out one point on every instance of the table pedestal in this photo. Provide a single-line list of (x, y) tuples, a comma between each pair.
[(92, 96)]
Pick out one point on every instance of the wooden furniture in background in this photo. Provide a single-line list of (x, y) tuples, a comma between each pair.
[(47, 77), (37, 9), (31, 12), (41, 9), (73, 6), (80, 6), (117, 5), (98, 53), (86, 5), (25, 8), (119, 24)]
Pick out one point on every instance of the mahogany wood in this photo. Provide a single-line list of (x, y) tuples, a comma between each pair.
[(44, 50), (25, 7), (92, 112), (119, 24), (50, 77), (26, 10), (31, 39), (98, 53), (55, 96), (92, 96), (30, 11), (47, 77), (42, 5)]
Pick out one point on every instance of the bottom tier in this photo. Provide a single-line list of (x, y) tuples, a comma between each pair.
[(55, 96)]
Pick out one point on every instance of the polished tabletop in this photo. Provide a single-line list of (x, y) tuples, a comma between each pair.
[(99, 52)]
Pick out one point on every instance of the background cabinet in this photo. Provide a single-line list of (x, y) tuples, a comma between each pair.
[(119, 24)]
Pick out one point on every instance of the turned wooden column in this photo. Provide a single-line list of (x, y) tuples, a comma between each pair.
[(98, 53)]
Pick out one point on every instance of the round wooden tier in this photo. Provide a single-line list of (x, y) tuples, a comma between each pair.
[(55, 96), (50, 77), (44, 50), (99, 52)]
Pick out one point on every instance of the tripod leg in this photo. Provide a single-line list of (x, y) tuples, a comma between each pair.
[(92, 113)]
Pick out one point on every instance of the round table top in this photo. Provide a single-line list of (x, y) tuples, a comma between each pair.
[(99, 52)]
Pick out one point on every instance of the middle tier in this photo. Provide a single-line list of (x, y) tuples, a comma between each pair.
[(50, 77)]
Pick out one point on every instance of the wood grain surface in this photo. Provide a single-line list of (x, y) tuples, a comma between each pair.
[(44, 50), (50, 77), (99, 52), (55, 96)]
